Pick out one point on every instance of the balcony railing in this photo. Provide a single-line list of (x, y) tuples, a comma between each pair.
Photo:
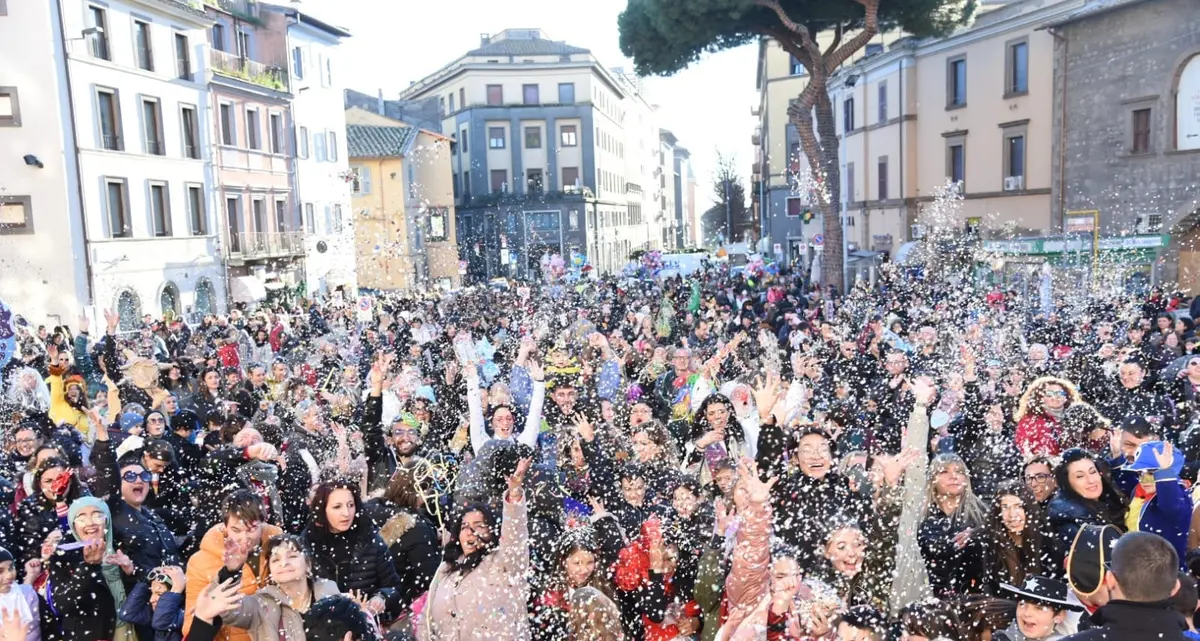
[(233, 65), (240, 8), (251, 244)]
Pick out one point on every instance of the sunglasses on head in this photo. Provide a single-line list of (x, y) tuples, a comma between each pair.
[(133, 477)]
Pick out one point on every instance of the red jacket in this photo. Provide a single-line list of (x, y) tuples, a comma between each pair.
[(1037, 434)]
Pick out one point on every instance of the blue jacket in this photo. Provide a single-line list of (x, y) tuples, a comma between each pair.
[(166, 618), (1168, 514)]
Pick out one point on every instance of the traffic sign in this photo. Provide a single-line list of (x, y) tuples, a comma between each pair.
[(818, 240)]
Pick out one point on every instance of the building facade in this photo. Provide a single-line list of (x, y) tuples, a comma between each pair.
[(43, 253), (1127, 144), (321, 160), (540, 157), (140, 101), (403, 205), (253, 156)]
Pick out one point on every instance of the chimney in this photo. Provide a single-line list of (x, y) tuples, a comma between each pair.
[(484, 39), (379, 103)]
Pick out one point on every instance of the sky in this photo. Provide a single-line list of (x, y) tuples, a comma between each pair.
[(395, 42)]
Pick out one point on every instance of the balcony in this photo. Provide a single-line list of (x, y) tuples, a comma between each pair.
[(245, 9), (268, 244), (235, 66)]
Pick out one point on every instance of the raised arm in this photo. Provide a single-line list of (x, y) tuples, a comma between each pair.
[(533, 420)]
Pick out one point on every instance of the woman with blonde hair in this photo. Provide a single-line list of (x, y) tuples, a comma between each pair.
[(951, 534), (594, 617), (1040, 413)]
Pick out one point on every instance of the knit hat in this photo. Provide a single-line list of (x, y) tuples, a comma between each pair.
[(5, 555)]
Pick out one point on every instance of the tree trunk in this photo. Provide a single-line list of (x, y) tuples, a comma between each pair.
[(833, 270)]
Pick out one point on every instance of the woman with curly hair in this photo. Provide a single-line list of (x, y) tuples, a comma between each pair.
[(1040, 414)]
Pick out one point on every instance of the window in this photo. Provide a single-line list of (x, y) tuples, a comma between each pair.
[(141, 36), (462, 97), (117, 199), (495, 94), (191, 133), (566, 93), (573, 220), (152, 128), (796, 68), (196, 213), (310, 222), (228, 133), (795, 207), (337, 219), (1017, 67), (252, 129), (453, 108), (319, 147), (570, 177), (333, 148), (441, 105), (160, 210), (568, 136), (110, 119), (243, 44), (883, 102), (496, 137), (437, 224), (10, 107), (99, 39), (956, 162), (533, 182), (533, 137), (1015, 156), (530, 94), (16, 214), (328, 81), (499, 181), (956, 82), (183, 57), (218, 37), (302, 142), (462, 141), (281, 223), (298, 63), (466, 183), (361, 185), (258, 210), (1141, 131), (277, 133), (883, 178), (848, 115), (851, 184), (233, 217)]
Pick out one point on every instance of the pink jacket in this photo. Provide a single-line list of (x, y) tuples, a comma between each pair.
[(748, 588)]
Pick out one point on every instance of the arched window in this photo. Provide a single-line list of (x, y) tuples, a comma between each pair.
[(129, 307), (168, 300), (1187, 106), (204, 296)]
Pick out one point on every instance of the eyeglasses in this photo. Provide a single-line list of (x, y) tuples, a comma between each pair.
[(404, 433), (26, 441), (1054, 394), (133, 477), (1044, 477), (95, 518)]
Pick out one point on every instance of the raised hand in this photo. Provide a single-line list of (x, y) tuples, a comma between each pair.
[(376, 376), (235, 554), (177, 576), (518, 477), (11, 627), (536, 371), (756, 490), (112, 320), (923, 391), (1165, 456), (216, 600), (766, 394), (584, 428), (93, 552), (120, 560)]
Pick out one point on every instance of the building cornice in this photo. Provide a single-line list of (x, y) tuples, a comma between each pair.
[(429, 84), (1035, 18), (177, 9)]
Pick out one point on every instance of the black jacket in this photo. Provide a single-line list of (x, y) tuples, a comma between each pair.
[(144, 537), (170, 501), (86, 611), (356, 560), (412, 540), (36, 519), (952, 571), (1129, 621)]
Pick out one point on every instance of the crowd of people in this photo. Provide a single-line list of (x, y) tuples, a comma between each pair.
[(711, 458)]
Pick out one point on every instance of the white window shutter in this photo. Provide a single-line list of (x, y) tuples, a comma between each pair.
[(364, 178)]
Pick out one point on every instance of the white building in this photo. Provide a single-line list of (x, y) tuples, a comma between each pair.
[(321, 176), (43, 271), (672, 226), (137, 73), (644, 228)]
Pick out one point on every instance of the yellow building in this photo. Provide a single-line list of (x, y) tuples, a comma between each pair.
[(403, 204)]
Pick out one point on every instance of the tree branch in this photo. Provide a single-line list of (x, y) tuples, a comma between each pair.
[(802, 32), (860, 40), (837, 39)]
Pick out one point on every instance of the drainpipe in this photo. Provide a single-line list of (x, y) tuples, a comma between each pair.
[(1062, 137), (74, 142)]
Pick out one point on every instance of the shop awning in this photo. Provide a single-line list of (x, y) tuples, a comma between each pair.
[(861, 255), (246, 289), (904, 250)]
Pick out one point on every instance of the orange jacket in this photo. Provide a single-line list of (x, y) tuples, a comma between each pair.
[(204, 566)]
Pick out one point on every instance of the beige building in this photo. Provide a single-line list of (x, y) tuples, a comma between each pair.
[(913, 115), (403, 204)]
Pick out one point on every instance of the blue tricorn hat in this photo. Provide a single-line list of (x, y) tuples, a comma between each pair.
[(1145, 461)]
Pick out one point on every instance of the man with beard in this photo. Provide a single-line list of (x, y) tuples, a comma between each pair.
[(389, 452)]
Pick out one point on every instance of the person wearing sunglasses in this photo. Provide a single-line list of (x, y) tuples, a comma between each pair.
[(1040, 413)]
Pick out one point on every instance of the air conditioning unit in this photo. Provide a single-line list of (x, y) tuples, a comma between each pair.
[(1149, 224), (1014, 183), (918, 232)]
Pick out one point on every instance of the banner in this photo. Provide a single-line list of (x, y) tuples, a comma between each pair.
[(8, 336)]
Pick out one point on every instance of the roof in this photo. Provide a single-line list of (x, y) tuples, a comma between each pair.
[(526, 47), (378, 141), (1092, 9)]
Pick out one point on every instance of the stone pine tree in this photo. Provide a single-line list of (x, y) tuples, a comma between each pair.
[(665, 36)]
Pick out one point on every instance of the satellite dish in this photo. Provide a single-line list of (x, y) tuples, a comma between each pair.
[(322, 247)]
